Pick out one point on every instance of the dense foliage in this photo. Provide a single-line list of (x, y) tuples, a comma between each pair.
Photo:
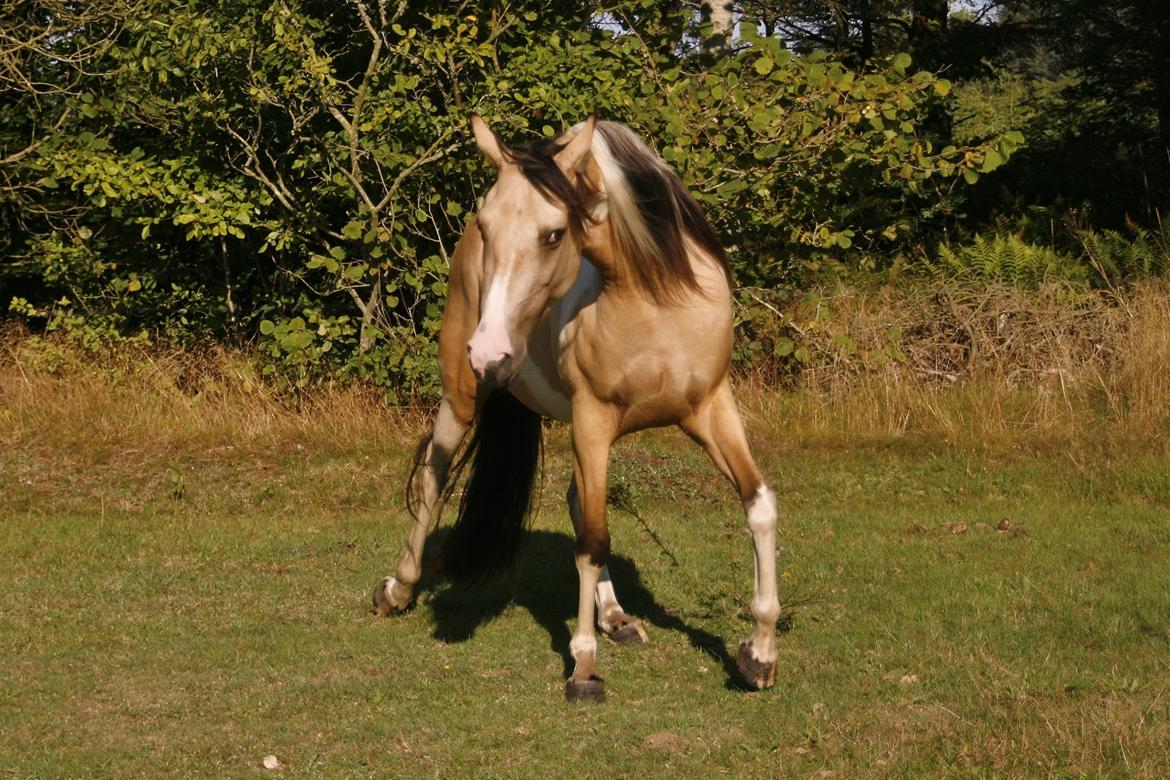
[(297, 172)]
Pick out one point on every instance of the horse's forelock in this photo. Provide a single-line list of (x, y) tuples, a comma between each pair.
[(537, 162)]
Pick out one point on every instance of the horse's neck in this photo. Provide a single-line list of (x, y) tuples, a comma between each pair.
[(599, 250)]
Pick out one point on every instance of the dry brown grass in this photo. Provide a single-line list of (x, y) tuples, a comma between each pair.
[(994, 367), (154, 402)]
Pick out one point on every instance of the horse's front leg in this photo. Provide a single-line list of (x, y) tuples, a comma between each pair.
[(394, 594), (592, 437), (457, 410), (611, 618)]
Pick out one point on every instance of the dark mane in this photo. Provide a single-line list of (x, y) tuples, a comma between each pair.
[(650, 210), (655, 250)]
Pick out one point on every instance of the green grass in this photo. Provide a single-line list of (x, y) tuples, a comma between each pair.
[(188, 612)]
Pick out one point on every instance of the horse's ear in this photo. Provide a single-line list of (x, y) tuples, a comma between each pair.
[(575, 150), (488, 143), (598, 204)]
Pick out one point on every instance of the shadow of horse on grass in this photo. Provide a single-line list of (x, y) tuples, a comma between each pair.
[(545, 584)]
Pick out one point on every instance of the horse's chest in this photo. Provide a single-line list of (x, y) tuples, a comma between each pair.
[(643, 373), (653, 364), (539, 388)]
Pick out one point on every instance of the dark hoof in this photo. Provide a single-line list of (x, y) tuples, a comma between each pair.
[(592, 689), (629, 634), (756, 673)]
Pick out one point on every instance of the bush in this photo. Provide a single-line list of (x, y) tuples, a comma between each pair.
[(1117, 258), (1006, 259), (297, 173)]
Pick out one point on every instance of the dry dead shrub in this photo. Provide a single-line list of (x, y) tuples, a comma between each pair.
[(948, 334)]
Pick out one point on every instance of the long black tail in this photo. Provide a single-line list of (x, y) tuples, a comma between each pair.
[(504, 453)]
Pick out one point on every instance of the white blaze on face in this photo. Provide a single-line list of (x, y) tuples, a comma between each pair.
[(491, 342)]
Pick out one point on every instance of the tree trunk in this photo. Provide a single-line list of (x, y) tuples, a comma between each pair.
[(865, 53), (1160, 74), (841, 30), (1159, 187), (928, 28), (719, 14)]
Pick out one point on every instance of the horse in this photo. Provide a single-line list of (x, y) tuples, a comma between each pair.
[(588, 288)]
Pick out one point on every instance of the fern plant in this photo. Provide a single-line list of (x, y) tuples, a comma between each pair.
[(1115, 257), (1007, 259)]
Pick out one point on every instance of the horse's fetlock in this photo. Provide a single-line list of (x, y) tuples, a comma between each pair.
[(765, 611), (583, 648)]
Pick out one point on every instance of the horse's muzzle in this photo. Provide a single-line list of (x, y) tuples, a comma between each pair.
[(496, 373), (491, 355)]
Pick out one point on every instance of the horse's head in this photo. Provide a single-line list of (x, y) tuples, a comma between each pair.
[(533, 223)]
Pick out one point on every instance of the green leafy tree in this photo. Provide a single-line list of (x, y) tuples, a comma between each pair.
[(1091, 79), (298, 171), (49, 51)]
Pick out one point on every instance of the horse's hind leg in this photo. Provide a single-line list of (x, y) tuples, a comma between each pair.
[(394, 594), (611, 618), (718, 427)]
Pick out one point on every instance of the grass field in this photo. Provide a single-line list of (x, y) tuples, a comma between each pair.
[(186, 592), (188, 609)]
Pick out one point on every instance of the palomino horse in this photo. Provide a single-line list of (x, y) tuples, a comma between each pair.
[(590, 289)]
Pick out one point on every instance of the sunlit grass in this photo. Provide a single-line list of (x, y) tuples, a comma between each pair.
[(187, 573)]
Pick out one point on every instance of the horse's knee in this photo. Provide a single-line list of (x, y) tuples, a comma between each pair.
[(761, 510), (766, 609)]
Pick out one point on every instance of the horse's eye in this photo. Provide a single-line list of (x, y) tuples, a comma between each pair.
[(554, 237)]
